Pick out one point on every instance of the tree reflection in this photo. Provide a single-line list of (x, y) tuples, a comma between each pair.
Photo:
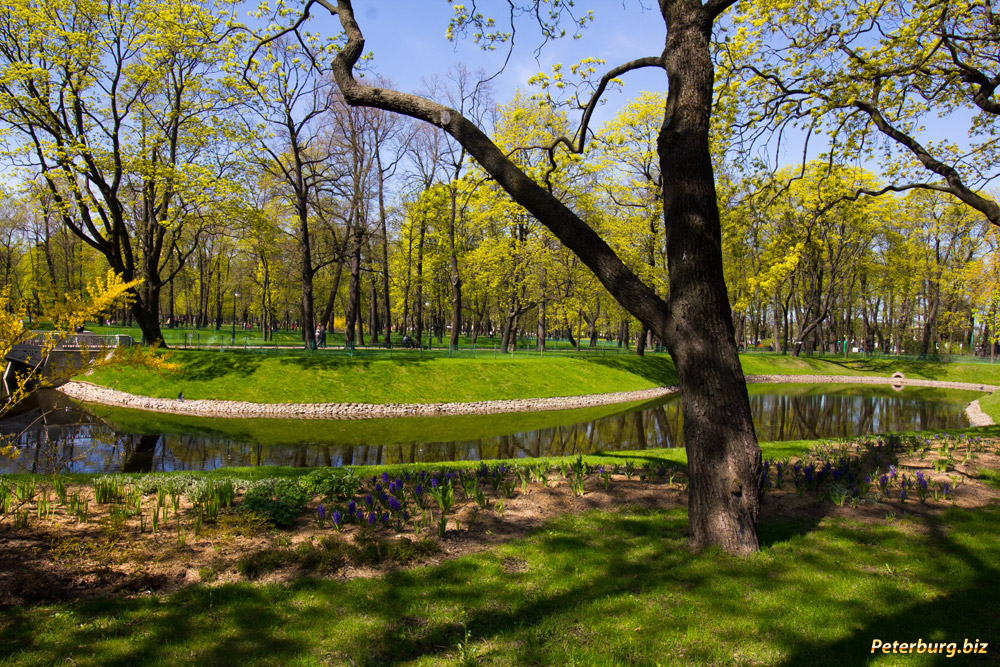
[(74, 441)]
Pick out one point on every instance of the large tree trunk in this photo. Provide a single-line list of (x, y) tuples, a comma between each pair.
[(724, 460), (723, 455)]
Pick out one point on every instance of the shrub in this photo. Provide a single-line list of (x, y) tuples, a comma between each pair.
[(280, 501), (334, 484)]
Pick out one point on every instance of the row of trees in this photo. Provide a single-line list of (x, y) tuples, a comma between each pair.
[(910, 274)]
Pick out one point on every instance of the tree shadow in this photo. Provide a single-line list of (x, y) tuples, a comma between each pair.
[(658, 369), (968, 613), (603, 569)]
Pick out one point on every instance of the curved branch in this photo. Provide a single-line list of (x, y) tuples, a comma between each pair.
[(637, 297), (955, 186)]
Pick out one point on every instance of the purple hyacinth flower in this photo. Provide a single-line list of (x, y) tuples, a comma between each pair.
[(320, 512), (394, 504), (352, 508), (418, 490), (371, 518), (434, 482), (385, 478), (369, 501), (336, 518)]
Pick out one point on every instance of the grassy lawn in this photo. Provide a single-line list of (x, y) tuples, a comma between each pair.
[(777, 364), (602, 588), (319, 378), (421, 378)]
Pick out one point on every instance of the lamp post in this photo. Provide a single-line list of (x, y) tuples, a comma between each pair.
[(232, 343)]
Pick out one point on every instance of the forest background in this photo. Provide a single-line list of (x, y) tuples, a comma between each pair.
[(138, 138)]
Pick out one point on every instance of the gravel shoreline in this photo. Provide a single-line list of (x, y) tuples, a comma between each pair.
[(91, 393)]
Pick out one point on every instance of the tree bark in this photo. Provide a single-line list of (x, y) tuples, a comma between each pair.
[(696, 324), (724, 459)]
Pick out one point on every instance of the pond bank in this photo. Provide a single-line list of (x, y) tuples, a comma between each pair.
[(91, 393)]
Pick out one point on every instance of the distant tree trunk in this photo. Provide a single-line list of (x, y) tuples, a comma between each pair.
[(331, 302), (541, 315), (640, 345), (569, 334), (383, 227), (418, 329), (373, 323), (354, 288), (456, 280)]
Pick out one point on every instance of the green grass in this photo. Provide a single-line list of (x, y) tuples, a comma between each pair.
[(602, 588), (951, 371), (286, 432), (991, 405), (413, 377), (319, 378)]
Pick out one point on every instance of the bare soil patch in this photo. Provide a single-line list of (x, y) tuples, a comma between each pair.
[(61, 558)]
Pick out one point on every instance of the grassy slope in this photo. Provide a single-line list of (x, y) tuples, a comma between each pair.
[(318, 378), (411, 379)]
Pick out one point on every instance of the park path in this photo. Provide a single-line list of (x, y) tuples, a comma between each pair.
[(91, 393)]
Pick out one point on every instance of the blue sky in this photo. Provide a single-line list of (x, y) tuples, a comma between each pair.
[(408, 40), (409, 45)]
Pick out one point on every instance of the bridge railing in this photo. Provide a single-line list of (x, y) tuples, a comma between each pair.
[(77, 341)]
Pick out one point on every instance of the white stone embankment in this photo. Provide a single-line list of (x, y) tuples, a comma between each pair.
[(92, 393)]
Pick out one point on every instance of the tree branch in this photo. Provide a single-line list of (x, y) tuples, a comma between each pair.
[(955, 185), (575, 234)]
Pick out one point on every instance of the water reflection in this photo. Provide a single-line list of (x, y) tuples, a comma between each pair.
[(58, 436)]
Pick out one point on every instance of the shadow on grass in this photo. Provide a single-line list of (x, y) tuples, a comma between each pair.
[(576, 591), (658, 369), (930, 370), (967, 613)]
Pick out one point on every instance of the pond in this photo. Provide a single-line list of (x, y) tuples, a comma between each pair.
[(60, 435)]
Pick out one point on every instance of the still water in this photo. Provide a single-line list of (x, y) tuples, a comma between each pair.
[(60, 435)]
